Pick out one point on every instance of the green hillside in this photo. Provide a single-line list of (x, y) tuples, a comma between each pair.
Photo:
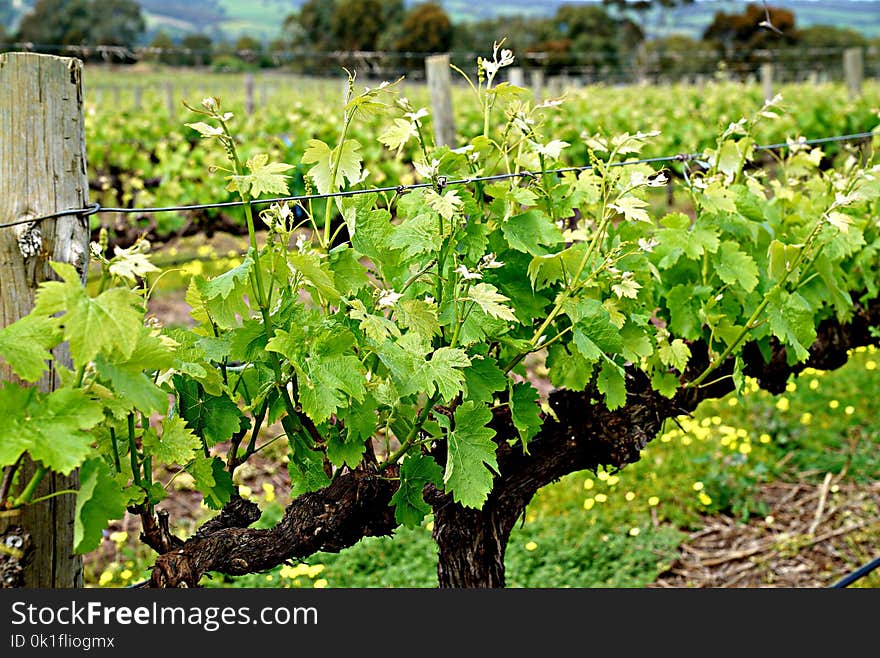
[(263, 18)]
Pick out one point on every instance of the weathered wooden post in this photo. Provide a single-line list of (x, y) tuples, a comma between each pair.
[(516, 76), (169, 100), (537, 80), (138, 94), (42, 171), (439, 78), (249, 93), (767, 81), (854, 69)]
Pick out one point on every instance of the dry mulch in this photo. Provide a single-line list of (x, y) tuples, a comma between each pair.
[(814, 536)]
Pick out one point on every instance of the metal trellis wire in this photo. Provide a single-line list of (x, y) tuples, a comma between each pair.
[(441, 181)]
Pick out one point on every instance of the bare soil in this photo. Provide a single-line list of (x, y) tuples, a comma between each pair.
[(813, 536)]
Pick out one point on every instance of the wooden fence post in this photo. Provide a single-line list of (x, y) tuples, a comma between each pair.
[(169, 100), (42, 170), (138, 104), (439, 78), (516, 76), (537, 80), (854, 69), (249, 93), (767, 81)]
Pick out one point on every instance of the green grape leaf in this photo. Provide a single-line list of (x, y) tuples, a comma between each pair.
[(546, 269), (718, 199), (781, 258), (444, 371), (264, 177), (665, 383), (98, 501), (729, 159), (483, 378), (491, 301), (204, 129), (323, 159), (349, 275), (527, 231), (344, 448), (232, 280), (594, 333), (25, 345), (791, 320), (525, 412), (632, 208), (212, 480), (306, 468), (53, 428), (376, 327), (736, 267), (14, 403), (108, 323), (470, 459), (417, 235), (612, 384), (132, 384), (177, 445), (679, 238), (395, 137), (419, 316), (329, 372), (636, 343), (445, 205), (246, 343), (130, 264), (675, 354), (360, 418), (330, 383), (568, 368), (215, 418), (316, 273), (409, 503), (60, 427), (684, 305)]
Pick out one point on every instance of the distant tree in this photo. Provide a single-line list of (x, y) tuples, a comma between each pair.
[(247, 45), (200, 47), (821, 47), (425, 29), (593, 36), (168, 51), (757, 27), (645, 5), (252, 51), (639, 9), (359, 24), (830, 37), (116, 22), (677, 55), (312, 27), (56, 23)]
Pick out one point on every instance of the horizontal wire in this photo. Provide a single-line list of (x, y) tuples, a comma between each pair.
[(442, 182)]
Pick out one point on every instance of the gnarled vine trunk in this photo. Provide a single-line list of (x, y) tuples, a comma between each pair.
[(472, 543)]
